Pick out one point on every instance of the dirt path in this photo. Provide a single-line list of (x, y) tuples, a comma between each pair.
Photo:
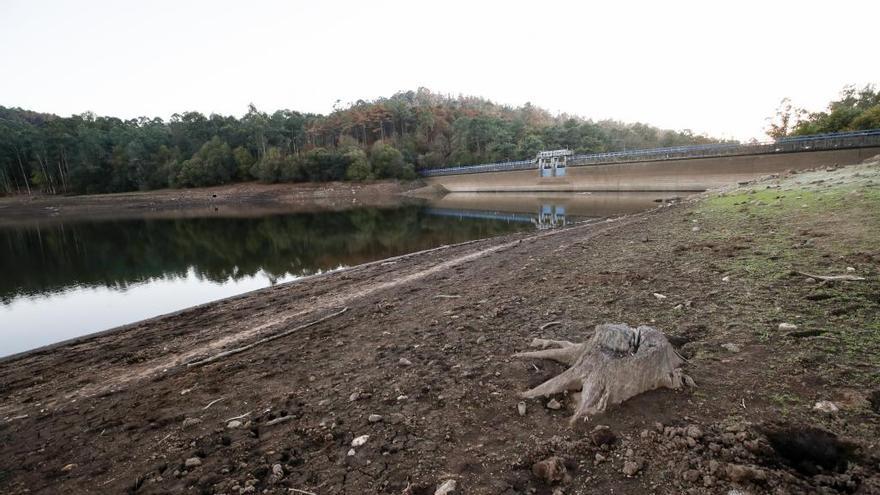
[(424, 351)]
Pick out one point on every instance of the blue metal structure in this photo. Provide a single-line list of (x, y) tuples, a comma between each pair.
[(815, 142)]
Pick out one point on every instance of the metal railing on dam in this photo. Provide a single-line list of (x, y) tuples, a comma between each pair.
[(816, 142)]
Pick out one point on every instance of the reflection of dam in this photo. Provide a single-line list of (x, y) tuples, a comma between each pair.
[(547, 217), (544, 210)]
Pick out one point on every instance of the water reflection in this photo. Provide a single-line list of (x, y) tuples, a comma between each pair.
[(64, 278)]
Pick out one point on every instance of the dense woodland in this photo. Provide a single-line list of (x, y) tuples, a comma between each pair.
[(385, 138), (856, 109)]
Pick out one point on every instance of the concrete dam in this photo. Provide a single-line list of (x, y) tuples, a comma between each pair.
[(691, 168)]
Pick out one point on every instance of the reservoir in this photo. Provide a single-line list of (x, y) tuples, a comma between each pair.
[(64, 278)]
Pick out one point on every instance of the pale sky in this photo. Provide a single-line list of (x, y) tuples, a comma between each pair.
[(714, 67)]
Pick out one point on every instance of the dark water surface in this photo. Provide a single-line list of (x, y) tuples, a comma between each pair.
[(64, 278)]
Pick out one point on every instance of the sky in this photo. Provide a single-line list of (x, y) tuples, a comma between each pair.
[(714, 67)]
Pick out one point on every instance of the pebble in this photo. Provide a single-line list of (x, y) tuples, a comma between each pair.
[(659, 296), (351, 452), (68, 467), (826, 406), (726, 278), (374, 418), (694, 432), (354, 396), (481, 339), (630, 468), (191, 422), (521, 408), (277, 470), (600, 457), (554, 404), (404, 362), (234, 424), (850, 269), (787, 327), (192, 462), (551, 470), (731, 347), (446, 488), (357, 442)]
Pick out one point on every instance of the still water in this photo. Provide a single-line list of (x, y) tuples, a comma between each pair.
[(60, 279)]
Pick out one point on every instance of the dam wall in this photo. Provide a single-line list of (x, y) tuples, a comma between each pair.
[(685, 174)]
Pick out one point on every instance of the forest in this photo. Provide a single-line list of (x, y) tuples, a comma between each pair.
[(855, 110), (365, 140)]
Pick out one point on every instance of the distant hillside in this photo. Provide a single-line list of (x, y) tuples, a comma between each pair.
[(384, 138)]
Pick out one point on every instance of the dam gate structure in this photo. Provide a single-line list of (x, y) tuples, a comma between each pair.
[(681, 168)]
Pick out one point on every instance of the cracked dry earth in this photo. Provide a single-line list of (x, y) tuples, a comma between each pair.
[(414, 385)]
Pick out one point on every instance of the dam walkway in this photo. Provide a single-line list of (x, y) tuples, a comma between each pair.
[(812, 143)]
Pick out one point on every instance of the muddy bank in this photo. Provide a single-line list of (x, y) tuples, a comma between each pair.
[(250, 198), (420, 363)]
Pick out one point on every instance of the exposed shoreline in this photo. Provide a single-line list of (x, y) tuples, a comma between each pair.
[(456, 314), (240, 199)]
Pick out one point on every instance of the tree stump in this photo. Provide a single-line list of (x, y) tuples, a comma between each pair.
[(617, 363)]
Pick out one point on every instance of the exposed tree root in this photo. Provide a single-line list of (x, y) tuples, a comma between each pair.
[(617, 363)]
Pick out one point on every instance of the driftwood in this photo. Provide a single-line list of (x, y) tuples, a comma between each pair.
[(831, 278), (270, 338), (617, 363)]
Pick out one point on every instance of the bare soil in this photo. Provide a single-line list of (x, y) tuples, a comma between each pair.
[(426, 345), (248, 198)]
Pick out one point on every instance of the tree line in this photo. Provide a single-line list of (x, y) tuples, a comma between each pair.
[(855, 110), (365, 140)]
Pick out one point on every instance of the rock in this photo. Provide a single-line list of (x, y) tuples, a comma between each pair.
[(690, 475), (446, 488), (191, 422), (351, 452), (354, 396), (787, 327), (731, 347), (233, 424), (694, 431), (521, 408), (404, 362), (550, 470), (725, 278), (850, 269), (602, 435), (630, 468), (554, 405), (659, 296), (192, 462), (69, 467), (277, 471), (826, 407), (357, 442), (374, 418), (599, 457), (481, 339), (695, 229), (739, 473)]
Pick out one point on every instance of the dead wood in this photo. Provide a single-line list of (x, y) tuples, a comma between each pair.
[(270, 338), (617, 363), (827, 278)]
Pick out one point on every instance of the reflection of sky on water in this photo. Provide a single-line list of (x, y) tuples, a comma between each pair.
[(33, 321), (65, 278)]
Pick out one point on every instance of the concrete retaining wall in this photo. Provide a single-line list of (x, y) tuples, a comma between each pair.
[(694, 174)]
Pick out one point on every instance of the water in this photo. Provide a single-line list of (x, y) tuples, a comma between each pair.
[(66, 278)]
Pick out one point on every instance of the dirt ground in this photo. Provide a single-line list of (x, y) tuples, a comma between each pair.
[(248, 198), (421, 364)]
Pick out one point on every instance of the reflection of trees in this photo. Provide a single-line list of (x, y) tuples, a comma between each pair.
[(122, 252)]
